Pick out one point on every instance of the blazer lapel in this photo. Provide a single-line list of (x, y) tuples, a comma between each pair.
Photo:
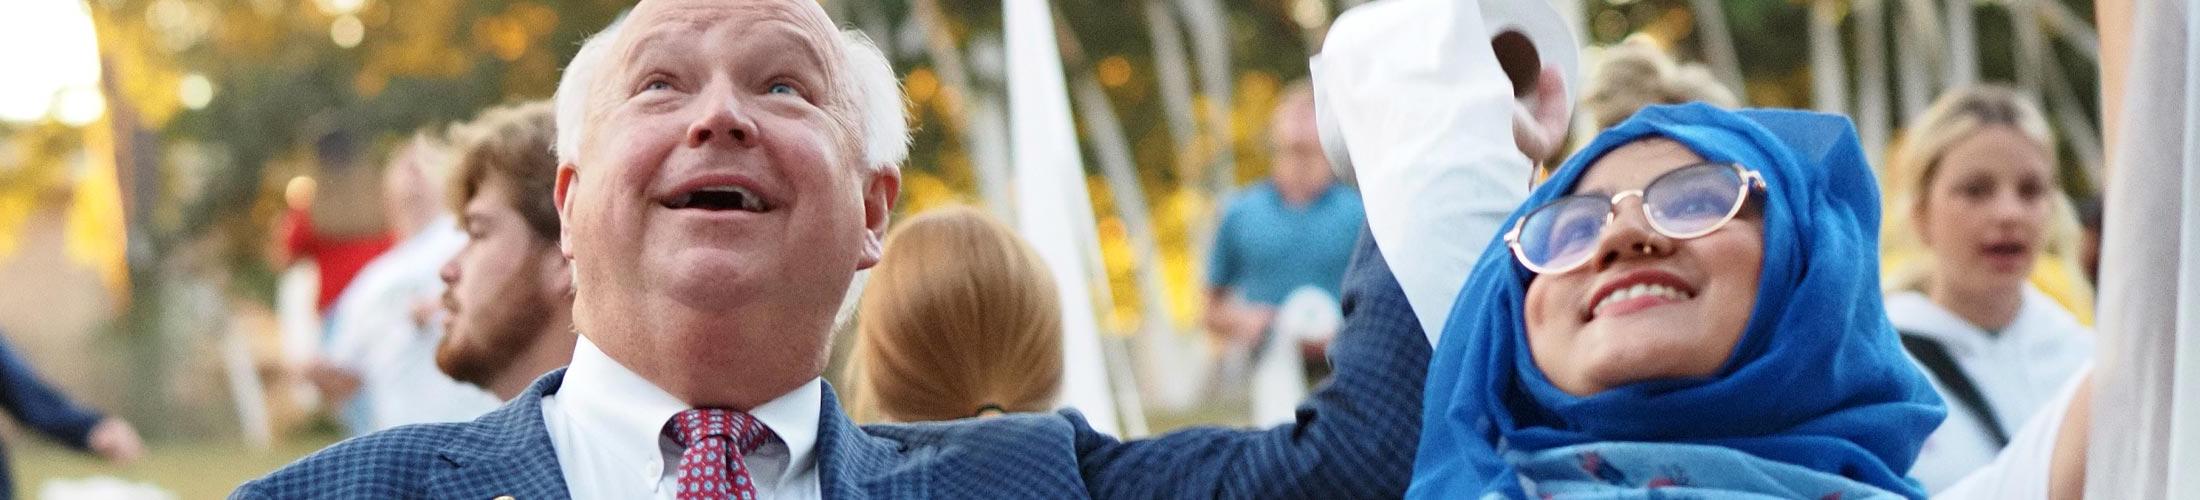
[(853, 464), (504, 453)]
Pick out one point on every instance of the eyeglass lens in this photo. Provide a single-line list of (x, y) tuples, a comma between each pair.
[(1683, 203)]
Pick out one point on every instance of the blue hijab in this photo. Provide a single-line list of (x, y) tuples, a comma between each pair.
[(1818, 380)]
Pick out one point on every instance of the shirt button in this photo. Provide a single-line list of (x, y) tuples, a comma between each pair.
[(505, 497)]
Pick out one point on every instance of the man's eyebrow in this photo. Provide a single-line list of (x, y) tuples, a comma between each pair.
[(649, 39), (814, 52)]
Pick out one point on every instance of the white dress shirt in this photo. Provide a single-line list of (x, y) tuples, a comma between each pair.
[(2017, 371), (607, 425)]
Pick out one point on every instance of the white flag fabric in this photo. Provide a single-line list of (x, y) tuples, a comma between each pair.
[(2146, 429), (1412, 89), (1053, 210)]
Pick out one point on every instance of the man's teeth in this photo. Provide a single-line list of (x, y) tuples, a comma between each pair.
[(749, 201), (720, 197), (1640, 290)]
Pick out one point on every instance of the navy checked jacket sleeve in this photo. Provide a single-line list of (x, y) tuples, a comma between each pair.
[(1355, 437), (38, 406)]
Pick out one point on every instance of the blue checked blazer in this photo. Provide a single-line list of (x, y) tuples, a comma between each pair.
[(1354, 438)]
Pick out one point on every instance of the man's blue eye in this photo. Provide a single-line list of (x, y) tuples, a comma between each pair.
[(658, 85), (781, 88)]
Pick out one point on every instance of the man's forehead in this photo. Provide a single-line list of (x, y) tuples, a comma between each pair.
[(655, 21), (488, 196), (803, 13)]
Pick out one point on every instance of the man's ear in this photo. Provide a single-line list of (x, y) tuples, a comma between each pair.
[(878, 204), (556, 274), (567, 175)]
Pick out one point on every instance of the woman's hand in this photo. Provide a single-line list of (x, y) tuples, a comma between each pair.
[(1539, 117)]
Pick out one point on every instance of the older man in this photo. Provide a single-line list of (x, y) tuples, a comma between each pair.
[(727, 166), (509, 299)]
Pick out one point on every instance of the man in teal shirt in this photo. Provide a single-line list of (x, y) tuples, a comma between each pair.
[(1294, 230)]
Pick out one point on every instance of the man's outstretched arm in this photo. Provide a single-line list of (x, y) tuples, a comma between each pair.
[(1354, 437)]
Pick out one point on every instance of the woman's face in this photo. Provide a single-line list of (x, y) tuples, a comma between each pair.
[(1985, 208), (1644, 306)]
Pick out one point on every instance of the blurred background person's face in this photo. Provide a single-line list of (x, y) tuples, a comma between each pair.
[(409, 197), (1587, 334), (1986, 208), (1300, 170), (505, 288)]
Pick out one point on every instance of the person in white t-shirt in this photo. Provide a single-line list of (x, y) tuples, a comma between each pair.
[(383, 332)]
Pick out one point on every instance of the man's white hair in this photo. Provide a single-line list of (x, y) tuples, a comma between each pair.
[(885, 124), (878, 100)]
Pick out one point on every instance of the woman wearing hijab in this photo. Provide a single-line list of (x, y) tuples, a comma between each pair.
[(1690, 305)]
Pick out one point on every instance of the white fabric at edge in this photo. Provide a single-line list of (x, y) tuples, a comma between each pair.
[(2145, 440), (1429, 128)]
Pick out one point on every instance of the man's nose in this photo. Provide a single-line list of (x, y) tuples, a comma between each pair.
[(722, 121), (449, 272)]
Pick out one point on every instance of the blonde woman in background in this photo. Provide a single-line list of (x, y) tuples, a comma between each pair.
[(1976, 190), (960, 319), (1905, 262)]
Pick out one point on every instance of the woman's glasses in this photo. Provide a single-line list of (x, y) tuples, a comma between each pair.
[(1685, 203)]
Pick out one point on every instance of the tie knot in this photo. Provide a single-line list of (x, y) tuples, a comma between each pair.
[(743, 432)]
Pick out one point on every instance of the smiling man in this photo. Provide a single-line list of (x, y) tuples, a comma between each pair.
[(726, 167)]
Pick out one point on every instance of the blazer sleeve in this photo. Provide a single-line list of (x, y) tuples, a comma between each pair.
[(1354, 437), (38, 406)]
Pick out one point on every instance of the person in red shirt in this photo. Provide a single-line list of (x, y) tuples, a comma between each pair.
[(339, 256)]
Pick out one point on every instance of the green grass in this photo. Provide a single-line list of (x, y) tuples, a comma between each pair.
[(189, 470)]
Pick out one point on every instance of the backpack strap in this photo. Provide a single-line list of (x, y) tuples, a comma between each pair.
[(1934, 356)]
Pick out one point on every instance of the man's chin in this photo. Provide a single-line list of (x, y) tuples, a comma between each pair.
[(711, 288), (460, 367)]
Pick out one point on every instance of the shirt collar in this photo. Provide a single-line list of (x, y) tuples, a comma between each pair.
[(598, 390), (793, 418)]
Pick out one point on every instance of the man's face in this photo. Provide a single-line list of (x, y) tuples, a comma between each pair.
[(409, 200), (719, 202), (505, 287), (1300, 167)]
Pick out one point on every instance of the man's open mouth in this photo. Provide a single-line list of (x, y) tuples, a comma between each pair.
[(719, 198)]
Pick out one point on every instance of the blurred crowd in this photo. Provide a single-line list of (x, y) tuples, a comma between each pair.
[(482, 298)]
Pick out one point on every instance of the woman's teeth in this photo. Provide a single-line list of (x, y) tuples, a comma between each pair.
[(1641, 290)]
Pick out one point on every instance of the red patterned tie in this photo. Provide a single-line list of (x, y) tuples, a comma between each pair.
[(714, 441)]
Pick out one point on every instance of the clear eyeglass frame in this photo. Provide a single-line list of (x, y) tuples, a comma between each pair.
[(1751, 181)]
